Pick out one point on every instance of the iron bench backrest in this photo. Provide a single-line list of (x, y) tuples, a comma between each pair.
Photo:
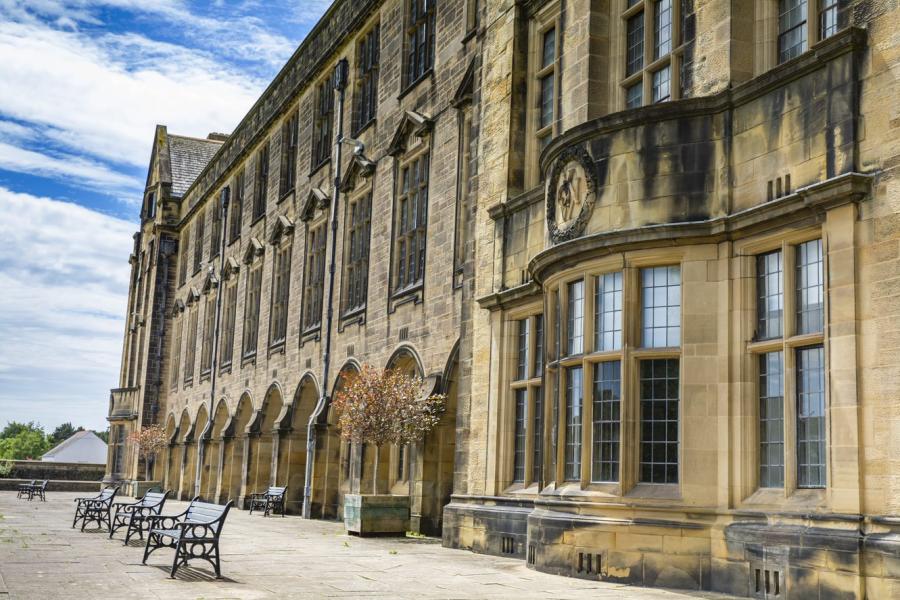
[(212, 515), (276, 491), (107, 494), (154, 500), (43, 484)]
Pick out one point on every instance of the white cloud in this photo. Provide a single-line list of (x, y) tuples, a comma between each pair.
[(103, 95), (74, 168), (64, 275)]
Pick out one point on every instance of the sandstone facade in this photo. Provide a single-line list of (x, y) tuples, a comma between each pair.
[(649, 249)]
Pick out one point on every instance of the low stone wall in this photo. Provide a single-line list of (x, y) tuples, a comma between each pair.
[(36, 469), (90, 487)]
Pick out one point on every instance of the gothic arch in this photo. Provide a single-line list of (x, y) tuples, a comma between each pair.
[(406, 356)]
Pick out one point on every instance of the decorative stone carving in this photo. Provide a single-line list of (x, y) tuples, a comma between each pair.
[(571, 191)]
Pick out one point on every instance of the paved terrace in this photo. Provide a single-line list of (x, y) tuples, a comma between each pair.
[(41, 556)]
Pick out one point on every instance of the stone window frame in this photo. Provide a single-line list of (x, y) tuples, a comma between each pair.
[(199, 227), (215, 230), (280, 294), (209, 317), (238, 195), (290, 145), (788, 344), (416, 68), (190, 351), (261, 182), (530, 381), (403, 162), (366, 71), (229, 324), (678, 60), (252, 303), (322, 138), (183, 255), (630, 356), (315, 247), (178, 322), (363, 196), (549, 18)]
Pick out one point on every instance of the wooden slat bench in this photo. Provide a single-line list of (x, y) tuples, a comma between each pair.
[(272, 500), (96, 509), (193, 534), (133, 515)]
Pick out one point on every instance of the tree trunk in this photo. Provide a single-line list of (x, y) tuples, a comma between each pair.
[(375, 471)]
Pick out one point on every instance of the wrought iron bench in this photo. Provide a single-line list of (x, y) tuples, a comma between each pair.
[(25, 489), (96, 509), (272, 500), (193, 534), (39, 490), (133, 515)]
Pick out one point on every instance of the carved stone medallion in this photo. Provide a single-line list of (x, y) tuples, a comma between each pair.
[(571, 192)]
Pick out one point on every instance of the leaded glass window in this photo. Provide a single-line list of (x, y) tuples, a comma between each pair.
[(811, 417), (661, 306), (607, 395), (769, 296), (810, 280), (608, 312), (575, 323), (659, 382), (771, 420), (574, 380)]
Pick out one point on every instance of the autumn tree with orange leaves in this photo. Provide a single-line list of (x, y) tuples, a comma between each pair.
[(382, 407)]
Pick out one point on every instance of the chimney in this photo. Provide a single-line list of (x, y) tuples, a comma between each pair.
[(217, 137)]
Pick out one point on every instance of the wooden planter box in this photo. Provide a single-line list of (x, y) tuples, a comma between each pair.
[(367, 514)]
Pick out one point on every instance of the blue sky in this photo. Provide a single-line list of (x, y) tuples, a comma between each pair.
[(82, 85)]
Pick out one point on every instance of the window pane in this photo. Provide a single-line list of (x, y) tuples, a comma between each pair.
[(659, 421), (810, 287), (661, 306), (546, 115), (608, 312), (662, 84), (573, 423), (548, 50), (538, 345), (634, 58), (522, 361), (576, 318), (634, 96), (771, 420), (606, 401), (769, 296), (538, 441), (662, 28), (519, 450), (811, 417), (791, 29)]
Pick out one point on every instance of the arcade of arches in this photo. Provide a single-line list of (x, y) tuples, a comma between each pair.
[(248, 446)]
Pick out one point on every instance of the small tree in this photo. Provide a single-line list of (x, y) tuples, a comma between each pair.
[(385, 407), (150, 442)]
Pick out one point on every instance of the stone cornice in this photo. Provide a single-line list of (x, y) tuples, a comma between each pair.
[(809, 203)]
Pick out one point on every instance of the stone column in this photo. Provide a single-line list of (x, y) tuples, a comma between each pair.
[(220, 470)]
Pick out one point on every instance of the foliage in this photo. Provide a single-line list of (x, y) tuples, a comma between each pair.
[(103, 435), (63, 432), (6, 467), (385, 407), (14, 428), (27, 444), (150, 442)]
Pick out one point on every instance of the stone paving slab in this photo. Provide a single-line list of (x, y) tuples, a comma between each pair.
[(41, 556)]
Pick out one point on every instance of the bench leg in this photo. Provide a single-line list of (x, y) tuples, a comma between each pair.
[(150, 537), (216, 560)]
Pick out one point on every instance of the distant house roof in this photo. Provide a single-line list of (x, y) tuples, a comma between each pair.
[(188, 157), (82, 447)]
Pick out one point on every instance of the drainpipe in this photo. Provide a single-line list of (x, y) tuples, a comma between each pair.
[(214, 348), (340, 84)]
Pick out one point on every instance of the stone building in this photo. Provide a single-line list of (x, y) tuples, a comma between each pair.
[(650, 249)]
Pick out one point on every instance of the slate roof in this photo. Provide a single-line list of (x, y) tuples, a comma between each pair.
[(188, 157)]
